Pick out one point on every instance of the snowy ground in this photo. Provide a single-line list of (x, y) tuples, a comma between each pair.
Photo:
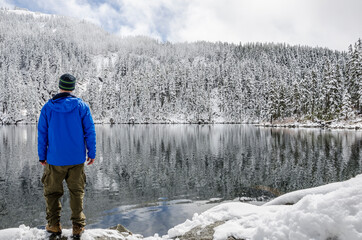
[(24, 232), (332, 211)]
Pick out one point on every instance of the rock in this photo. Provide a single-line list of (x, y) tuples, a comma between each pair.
[(122, 229), (233, 238), (204, 233), (199, 233)]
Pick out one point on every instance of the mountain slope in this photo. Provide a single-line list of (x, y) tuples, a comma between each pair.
[(138, 79)]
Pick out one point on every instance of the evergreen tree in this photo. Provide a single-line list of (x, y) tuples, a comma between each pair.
[(346, 112), (139, 79)]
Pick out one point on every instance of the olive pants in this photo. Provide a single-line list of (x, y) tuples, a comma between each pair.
[(53, 189)]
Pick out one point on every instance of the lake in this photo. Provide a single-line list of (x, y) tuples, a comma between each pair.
[(152, 177)]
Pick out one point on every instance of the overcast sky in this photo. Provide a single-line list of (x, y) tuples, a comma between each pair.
[(327, 23)]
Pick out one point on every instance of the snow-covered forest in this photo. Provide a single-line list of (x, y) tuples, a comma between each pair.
[(138, 79)]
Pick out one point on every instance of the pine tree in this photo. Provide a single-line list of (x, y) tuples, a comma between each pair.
[(354, 74), (359, 73), (346, 112), (140, 78)]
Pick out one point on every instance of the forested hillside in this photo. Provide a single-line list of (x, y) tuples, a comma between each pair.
[(144, 81)]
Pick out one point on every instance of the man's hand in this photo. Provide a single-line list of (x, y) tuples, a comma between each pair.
[(44, 162), (90, 160)]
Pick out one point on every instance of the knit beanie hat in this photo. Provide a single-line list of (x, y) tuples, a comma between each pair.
[(67, 82)]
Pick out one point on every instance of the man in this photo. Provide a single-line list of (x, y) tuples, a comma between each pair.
[(65, 131)]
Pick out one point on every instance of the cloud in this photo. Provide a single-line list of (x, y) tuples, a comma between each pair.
[(102, 14), (153, 18), (6, 4), (125, 17), (326, 23)]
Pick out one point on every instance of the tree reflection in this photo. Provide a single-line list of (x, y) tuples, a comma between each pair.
[(142, 163)]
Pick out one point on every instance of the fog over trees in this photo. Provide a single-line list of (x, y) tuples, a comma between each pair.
[(141, 80)]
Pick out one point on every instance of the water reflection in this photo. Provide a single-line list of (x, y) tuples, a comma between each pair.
[(149, 219), (142, 163)]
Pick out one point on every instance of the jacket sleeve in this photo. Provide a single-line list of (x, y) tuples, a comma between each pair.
[(42, 135), (89, 131)]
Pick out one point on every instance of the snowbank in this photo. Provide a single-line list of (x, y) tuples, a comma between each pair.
[(332, 211), (27, 233)]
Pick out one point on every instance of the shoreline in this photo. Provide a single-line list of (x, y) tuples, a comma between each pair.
[(287, 215), (355, 124)]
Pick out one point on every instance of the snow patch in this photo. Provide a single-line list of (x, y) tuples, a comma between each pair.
[(355, 123), (104, 61), (24, 232), (332, 211)]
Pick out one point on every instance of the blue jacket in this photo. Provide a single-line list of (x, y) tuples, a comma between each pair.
[(65, 130)]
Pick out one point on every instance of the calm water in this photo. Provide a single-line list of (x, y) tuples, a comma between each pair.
[(151, 177)]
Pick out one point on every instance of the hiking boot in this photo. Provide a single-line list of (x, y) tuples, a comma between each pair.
[(56, 228), (77, 230)]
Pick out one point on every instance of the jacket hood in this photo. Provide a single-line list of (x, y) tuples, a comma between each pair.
[(64, 104)]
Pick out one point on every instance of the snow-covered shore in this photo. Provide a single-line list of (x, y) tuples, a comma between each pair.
[(24, 232), (332, 211), (355, 124)]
